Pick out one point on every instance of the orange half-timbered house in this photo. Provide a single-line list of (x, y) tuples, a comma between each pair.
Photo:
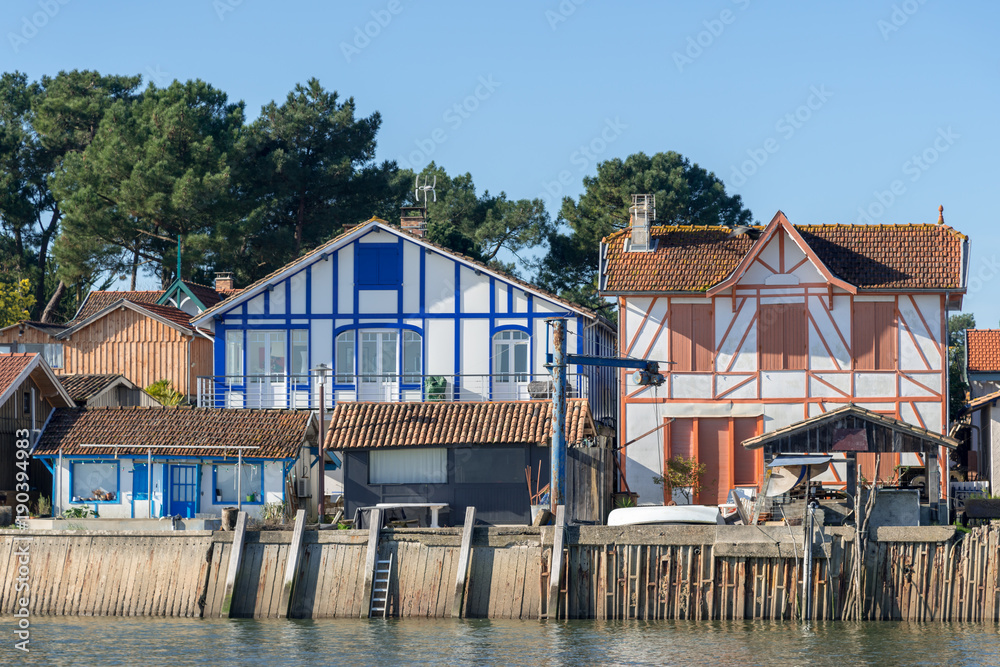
[(764, 328)]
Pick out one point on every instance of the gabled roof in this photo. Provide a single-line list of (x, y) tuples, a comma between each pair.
[(16, 368), (83, 386), (914, 438), (368, 425), (205, 296), (98, 300), (169, 315), (982, 350), (780, 223), (46, 328), (360, 230), (278, 433), (867, 257)]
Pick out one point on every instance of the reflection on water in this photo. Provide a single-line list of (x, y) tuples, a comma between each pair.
[(131, 641)]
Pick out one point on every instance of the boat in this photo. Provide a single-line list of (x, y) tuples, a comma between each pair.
[(665, 515)]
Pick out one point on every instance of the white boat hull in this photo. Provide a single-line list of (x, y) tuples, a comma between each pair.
[(665, 515)]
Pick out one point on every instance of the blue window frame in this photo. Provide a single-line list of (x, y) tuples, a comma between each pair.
[(95, 481), (377, 265), (224, 483)]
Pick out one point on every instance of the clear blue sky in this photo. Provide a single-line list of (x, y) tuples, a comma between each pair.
[(820, 110)]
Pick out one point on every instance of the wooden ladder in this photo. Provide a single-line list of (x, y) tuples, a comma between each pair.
[(380, 588)]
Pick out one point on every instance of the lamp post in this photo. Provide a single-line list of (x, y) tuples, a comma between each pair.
[(321, 482)]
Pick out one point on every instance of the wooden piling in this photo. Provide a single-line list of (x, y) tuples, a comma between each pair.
[(292, 564), (556, 562), (375, 527), (463, 562), (235, 559)]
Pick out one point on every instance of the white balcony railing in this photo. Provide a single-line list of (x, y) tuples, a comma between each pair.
[(301, 392)]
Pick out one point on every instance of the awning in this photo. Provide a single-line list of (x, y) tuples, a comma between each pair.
[(799, 461)]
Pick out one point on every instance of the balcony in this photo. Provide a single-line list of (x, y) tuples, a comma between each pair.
[(301, 392)]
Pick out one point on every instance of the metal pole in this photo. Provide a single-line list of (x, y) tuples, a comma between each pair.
[(807, 560), (322, 451), (149, 480), (239, 481), (557, 480), (57, 501)]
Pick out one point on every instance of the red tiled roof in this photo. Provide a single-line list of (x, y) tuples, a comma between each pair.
[(278, 433), (366, 425), (175, 315), (12, 366), (983, 350), (871, 257), (98, 300)]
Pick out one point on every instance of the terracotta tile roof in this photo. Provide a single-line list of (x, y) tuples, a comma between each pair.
[(365, 425), (396, 229), (278, 433), (175, 315), (98, 300), (12, 366), (81, 386), (983, 350), (871, 257)]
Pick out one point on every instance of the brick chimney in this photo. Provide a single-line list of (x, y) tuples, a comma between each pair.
[(413, 219), (223, 281), (642, 213)]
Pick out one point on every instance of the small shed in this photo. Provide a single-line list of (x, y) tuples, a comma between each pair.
[(468, 454), (107, 390), (860, 434)]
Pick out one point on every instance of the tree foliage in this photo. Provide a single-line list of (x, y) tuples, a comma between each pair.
[(957, 386), (685, 194), (486, 227), (15, 302)]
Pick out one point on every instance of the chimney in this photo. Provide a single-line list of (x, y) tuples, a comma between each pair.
[(223, 281), (413, 219), (642, 214), (940, 214)]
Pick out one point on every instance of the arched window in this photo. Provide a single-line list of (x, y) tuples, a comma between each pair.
[(510, 356), (385, 355), (345, 357)]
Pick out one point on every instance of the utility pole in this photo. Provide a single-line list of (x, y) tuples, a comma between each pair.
[(557, 483), (321, 482)]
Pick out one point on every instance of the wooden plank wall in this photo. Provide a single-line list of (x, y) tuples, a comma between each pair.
[(651, 574), (589, 479), (124, 574)]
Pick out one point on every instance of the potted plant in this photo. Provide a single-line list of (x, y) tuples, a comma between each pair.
[(683, 478)]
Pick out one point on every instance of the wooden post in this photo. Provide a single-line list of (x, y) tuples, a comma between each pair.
[(463, 562), (555, 564), (235, 558), (292, 565), (375, 519)]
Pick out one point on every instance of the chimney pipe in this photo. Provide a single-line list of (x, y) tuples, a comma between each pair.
[(642, 214)]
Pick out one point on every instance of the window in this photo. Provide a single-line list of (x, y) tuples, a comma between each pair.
[(378, 356), (500, 465), (51, 352), (408, 466), (510, 356), (874, 336), (413, 357), (300, 353), (234, 353), (377, 266), (266, 353), (251, 485), (691, 337), (94, 482), (781, 332), (345, 358)]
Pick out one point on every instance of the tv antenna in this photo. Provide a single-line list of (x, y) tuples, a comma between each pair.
[(418, 189)]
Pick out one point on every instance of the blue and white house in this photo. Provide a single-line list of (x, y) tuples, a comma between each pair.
[(389, 316)]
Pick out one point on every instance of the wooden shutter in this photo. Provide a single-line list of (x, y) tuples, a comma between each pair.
[(885, 335), (714, 451), (680, 336), (682, 438), (702, 337), (874, 336), (744, 460), (795, 337), (864, 336)]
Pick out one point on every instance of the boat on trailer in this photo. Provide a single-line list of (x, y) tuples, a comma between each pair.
[(665, 515)]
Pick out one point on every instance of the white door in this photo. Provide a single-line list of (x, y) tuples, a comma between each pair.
[(267, 369), (510, 366), (379, 379)]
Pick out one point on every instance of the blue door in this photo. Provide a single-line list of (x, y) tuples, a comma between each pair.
[(183, 491)]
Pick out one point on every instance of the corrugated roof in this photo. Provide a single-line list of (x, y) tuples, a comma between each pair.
[(983, 350), (367, 425), (871, 257), (278, 433)]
